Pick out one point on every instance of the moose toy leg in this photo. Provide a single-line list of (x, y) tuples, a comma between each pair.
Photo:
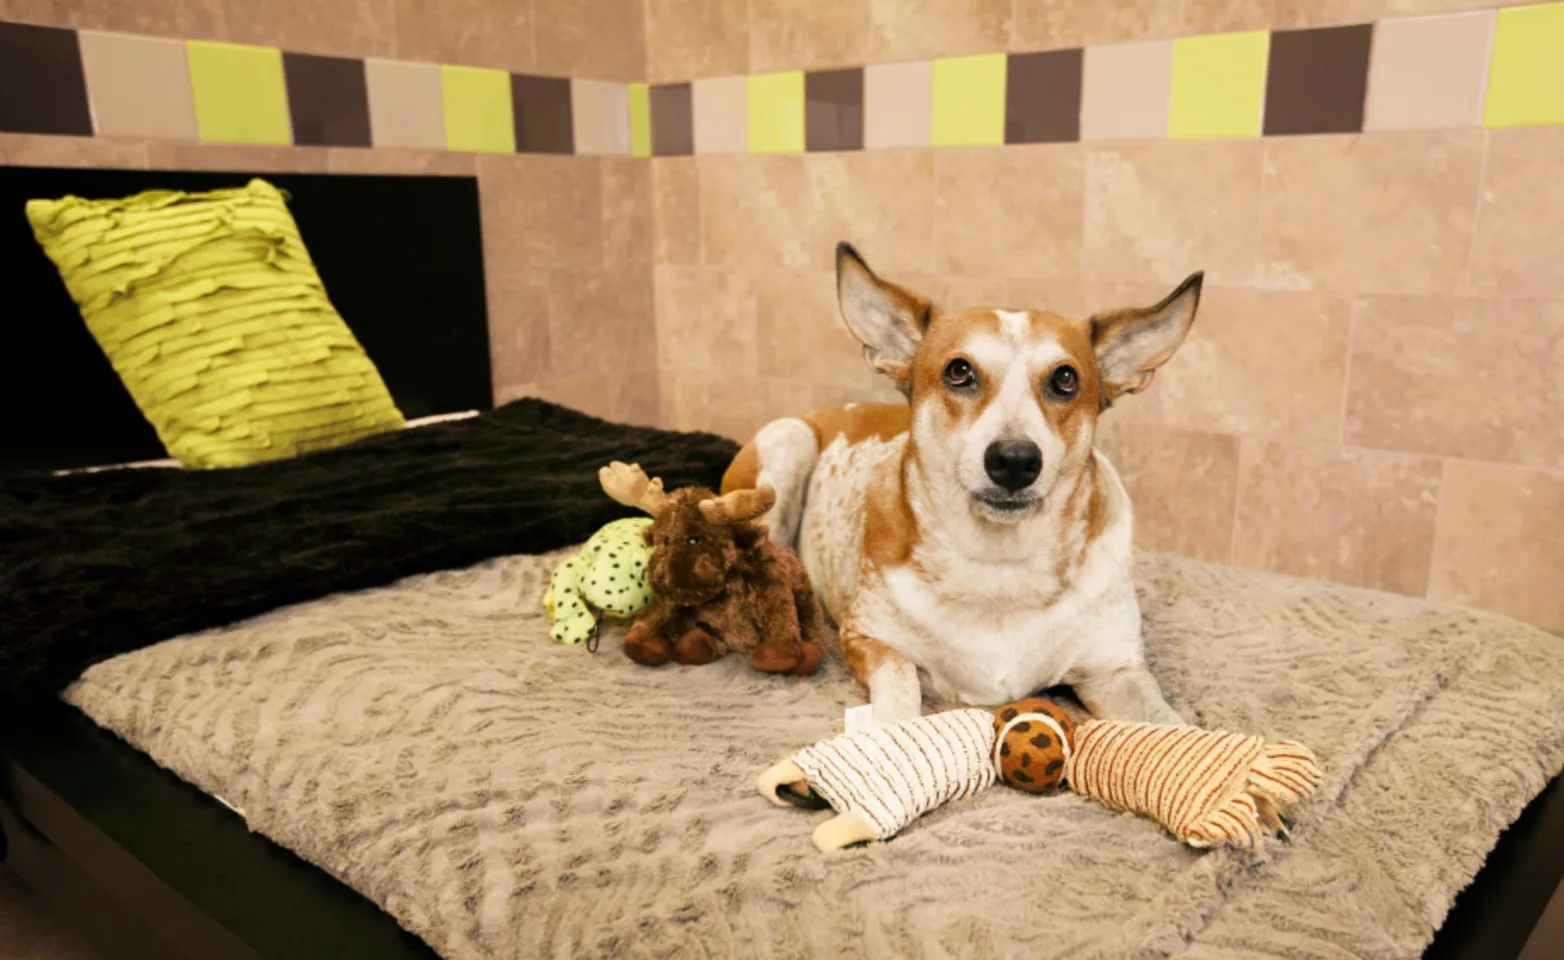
[(647, 642), (697, 646)]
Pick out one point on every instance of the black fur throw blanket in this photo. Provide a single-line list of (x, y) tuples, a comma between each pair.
[(95, 565)]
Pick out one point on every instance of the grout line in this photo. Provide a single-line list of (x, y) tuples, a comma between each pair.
[(1238, 494), (1477, 213), (1439, 521), (1346, 385)]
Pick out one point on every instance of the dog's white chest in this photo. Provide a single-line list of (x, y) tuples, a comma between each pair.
[(983, 639)]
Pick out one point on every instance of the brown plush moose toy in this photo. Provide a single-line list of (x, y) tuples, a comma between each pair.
[(722, 586)]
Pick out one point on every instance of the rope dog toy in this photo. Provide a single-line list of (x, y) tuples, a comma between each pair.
[(1207, 788)]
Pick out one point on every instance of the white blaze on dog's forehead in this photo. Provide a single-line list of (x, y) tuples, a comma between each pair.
[(995, 356), (1016, 325)]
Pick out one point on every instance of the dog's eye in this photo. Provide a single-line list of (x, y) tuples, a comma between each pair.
[(692, 540), (1064, 383), (959, 374), (667, 540)]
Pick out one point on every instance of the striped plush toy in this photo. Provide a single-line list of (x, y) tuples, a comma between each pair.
[(1207, 788)]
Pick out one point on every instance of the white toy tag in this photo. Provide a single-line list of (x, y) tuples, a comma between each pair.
[(860, 718)]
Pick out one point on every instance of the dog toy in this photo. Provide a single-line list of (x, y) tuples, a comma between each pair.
[(607, 578), (1205, 787), (721, 584)]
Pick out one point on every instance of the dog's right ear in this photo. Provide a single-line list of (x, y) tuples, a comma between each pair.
[(887, 320)]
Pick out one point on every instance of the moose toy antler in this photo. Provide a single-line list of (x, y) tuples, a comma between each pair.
[(722, 585)]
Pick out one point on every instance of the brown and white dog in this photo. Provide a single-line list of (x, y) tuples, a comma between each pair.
[(973, 541)]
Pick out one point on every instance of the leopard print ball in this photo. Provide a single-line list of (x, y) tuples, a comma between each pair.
[(1030, 756)]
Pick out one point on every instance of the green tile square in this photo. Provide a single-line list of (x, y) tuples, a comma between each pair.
[(776, 112), (1526, 72), (1218, 86), (240, 94), (640, 120), (969, 101), (478, 117)]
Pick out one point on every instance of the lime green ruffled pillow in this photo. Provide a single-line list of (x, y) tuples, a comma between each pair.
[(211, 312)]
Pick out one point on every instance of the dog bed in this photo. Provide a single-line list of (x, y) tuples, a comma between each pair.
[(503, 795)]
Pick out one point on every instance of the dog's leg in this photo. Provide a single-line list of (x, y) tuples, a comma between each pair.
[(891, 678), (787, 450), (1128, 693)]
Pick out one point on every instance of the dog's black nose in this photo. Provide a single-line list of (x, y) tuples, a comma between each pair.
[(1013, 465)]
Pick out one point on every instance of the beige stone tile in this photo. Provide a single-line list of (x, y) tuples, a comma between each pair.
[(706, 321), (720, 403), (676, 190), (630, 396), (784, 398), (1202, 17), (955, 293), (1050, 26), (807, 34), (1376, 213), (866, 387), (1009, 211), (882, 201), (600, 117), (406, 104), (1475, 379), (600, 39), (1337, 513), (627, 211), (1410, 8), (518, 318), (1160, 211), (549, 209), (1182, 485), (1261, 363), (687, 39), (799, 329), (1521, 218), (756, 212), (30, 150), (898, 105), (921, 29), (391, 160), (601, 321), (1428, 73), (341, 28), (472, 33), (139, 86), (1501, 542), (721, 109), (169, 155), (1302, 14), (177, 19), (1125, 91)]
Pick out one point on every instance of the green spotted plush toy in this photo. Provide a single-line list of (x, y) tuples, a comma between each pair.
[(607, 578)]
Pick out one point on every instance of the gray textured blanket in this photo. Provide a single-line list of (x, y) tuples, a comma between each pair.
[(503, 796)]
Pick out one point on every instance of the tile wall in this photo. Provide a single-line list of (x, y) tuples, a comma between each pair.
[(1373, 187), (496, 88), (1372, 391)]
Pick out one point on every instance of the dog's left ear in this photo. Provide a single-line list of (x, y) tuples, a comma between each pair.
[(1131, 344)]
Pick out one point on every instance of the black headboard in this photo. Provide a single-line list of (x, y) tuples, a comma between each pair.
[(401, 258)]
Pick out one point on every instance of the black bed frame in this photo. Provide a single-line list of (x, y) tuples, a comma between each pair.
[(148, 866)]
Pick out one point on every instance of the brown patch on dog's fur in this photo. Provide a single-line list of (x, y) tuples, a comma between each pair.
[(854, 422), (864, 655)]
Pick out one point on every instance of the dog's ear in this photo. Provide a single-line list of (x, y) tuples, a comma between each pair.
[(1131, 344), (887, 320)]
